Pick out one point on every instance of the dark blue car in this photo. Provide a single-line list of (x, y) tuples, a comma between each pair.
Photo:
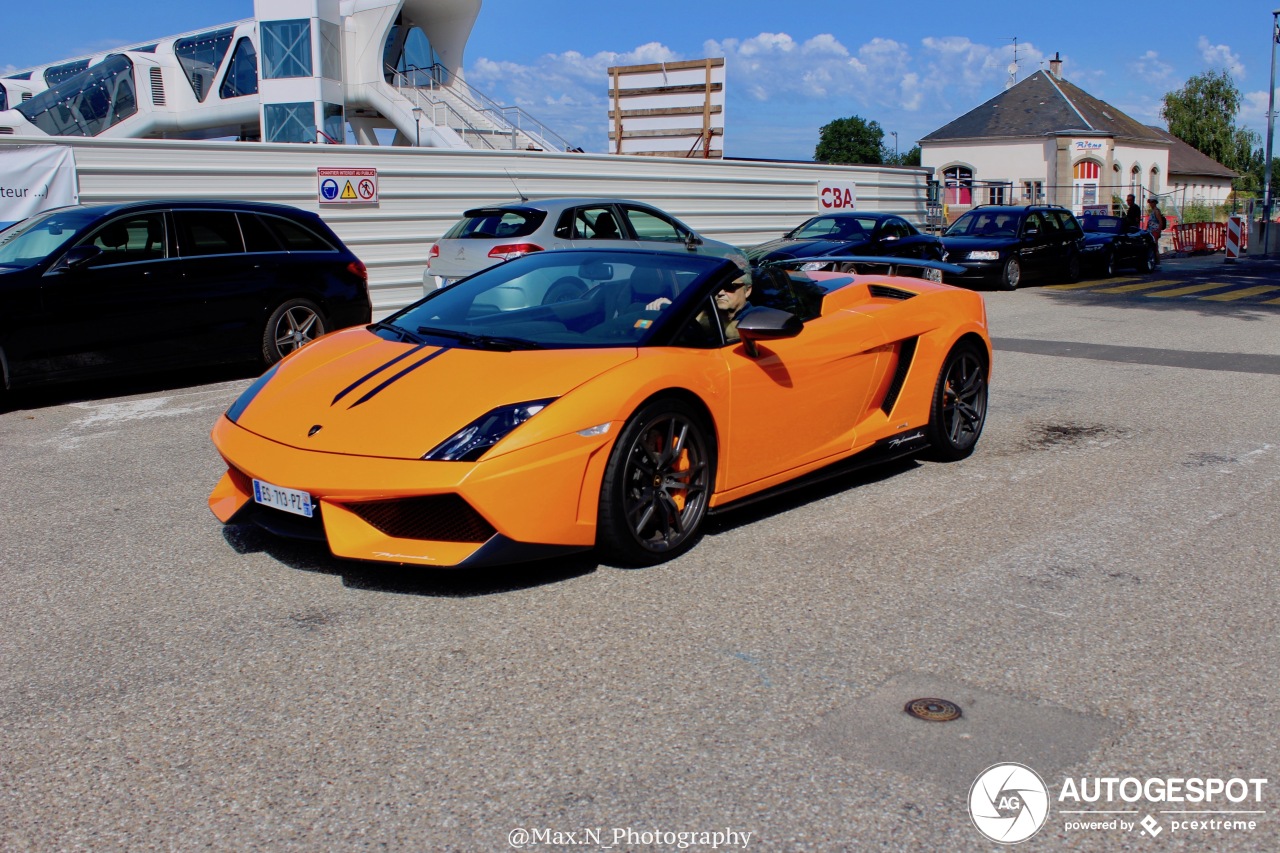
[(1110, 244), (119, 288), (851, 234)]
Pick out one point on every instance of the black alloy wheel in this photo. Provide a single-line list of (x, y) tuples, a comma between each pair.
[(292, 326), (1011, 274), (657, 485), (959, 408), (1148, 262), (1109, 264)]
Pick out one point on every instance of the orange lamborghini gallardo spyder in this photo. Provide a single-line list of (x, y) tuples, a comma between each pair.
[(604, 399)]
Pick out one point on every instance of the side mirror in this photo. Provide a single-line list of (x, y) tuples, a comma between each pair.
[(692, 241), (1032, 231), (766, 324), (596, 271), (889, 238), (76, 257)]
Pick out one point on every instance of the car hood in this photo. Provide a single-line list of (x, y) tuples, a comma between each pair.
[(959, 246), (372, 397), (789, 248), (1098, 238)]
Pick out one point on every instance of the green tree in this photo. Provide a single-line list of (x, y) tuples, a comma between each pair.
[(1203, 114), (906, 158), (850, 140)]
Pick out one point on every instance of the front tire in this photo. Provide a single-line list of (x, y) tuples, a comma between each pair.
[(1148, 262), (959, 408), (1109, 265), (291, 326), (656, 487), (1011, 274), (1072, 271)]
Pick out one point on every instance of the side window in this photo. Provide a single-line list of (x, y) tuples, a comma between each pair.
[(596, 223), (1034, 221), (257, 236), (1069, 223), (894, 228), (1051, 224), (207, 232), (129, 239), (701, 331), (296, 238), (647, 225)]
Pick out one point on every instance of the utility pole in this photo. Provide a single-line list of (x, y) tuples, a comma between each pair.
[(1271, 128)]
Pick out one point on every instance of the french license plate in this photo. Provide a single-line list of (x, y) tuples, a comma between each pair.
[(278, 497)]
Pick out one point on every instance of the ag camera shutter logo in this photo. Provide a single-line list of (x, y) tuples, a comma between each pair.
[(1008, 803)]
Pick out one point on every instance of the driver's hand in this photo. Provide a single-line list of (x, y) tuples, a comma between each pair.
[(658, 304)]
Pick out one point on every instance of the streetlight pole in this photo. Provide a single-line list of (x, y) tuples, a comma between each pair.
[(895, 147), (1271, 127), (417, 126)]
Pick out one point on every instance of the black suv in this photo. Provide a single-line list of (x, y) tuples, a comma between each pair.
[(116, 288), (1008, 244)]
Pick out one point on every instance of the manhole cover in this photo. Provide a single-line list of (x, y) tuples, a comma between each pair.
[(933, 710)]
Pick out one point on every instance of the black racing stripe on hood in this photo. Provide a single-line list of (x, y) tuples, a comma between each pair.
[(399, 376), (372, 373)]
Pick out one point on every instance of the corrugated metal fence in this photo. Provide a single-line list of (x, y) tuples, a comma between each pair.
[(422, 191)]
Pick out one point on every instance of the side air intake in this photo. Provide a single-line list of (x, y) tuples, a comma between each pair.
[(881, 291), (906, 354), (442, 518)]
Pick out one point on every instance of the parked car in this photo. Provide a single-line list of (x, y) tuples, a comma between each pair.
[(490, 235), (836, 234), (1009, 245), (485, 424), (1110, 244), (115, 288)]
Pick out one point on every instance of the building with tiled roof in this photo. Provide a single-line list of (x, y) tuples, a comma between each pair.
[(1047, 140)]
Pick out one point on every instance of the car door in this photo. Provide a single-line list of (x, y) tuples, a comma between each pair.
[(801, 399), (231, 284), (117, 310), (1035, 244)]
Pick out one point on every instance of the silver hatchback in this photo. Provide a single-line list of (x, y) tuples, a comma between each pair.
[(489, 235)]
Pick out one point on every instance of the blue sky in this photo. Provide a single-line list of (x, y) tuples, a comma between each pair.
[(791, 67)]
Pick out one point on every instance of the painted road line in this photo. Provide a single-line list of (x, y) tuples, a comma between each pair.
[(1243, 293), (1271, 302), (1142, 285), (1079, 285), (1185, 291)]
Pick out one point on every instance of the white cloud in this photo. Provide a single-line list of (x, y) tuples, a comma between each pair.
[(1220, 56), (1151, 68)]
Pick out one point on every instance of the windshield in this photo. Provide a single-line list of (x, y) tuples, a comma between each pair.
[(987, 223), (837, 227), (561, 300), (31, 241)]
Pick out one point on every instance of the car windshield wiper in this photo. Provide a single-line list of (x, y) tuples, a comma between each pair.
[(495, 342), (405, 334)]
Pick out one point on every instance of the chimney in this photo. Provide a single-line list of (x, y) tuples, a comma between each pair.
[(1055, 65)]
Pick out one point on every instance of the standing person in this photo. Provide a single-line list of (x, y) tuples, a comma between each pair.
[(1155, 224), (1132, 213)]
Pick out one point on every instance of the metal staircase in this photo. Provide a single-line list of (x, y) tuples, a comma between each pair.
[(481, 122)]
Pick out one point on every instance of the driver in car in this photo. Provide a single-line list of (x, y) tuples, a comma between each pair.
[(731, 301)]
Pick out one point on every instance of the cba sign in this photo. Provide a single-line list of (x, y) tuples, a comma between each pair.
[(1008, 803), (837, 195)]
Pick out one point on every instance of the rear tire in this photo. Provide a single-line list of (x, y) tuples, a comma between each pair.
[(292, 326), (657, 485), (959, 408), (1072, 270)]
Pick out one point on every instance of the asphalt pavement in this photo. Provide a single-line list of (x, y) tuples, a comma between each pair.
[(1095, 588)]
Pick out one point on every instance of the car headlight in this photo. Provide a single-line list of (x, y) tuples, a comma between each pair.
[(242, 402), (470, 443), (814, 265), (983, 256)]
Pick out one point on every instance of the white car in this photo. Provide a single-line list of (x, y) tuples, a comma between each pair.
[(489, 235)]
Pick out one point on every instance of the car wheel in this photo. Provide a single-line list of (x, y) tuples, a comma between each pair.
[(959, 407), (1011, 274), (1071, 271), (292, 326), (1148, 261), (654, 495), (930, 274), (1109, 264), (564, 289)]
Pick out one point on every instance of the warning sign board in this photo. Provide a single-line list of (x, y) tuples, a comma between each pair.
[(347, 186)]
